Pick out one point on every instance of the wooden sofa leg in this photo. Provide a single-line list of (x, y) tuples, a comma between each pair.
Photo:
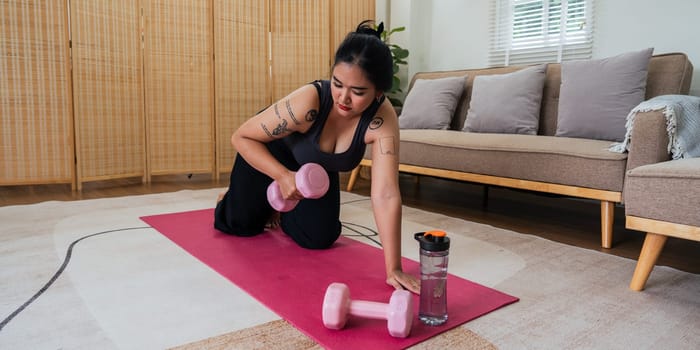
[(607, 216), (353, 177), (653, 244)]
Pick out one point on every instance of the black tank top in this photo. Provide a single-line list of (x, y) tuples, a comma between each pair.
[(305, 146)]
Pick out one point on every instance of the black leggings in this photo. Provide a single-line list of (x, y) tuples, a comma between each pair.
[(244, 210)]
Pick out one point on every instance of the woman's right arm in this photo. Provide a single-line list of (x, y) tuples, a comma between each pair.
[(294, 113)]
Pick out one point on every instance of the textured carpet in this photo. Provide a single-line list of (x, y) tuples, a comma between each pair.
[(134, 289), (280, 335)]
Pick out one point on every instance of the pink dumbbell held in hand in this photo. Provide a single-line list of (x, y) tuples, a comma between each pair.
[(337, 306), (312, 182)]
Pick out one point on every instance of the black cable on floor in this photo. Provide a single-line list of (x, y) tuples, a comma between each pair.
[(359, 233), (58, 273), (69, 253), (348, 225)]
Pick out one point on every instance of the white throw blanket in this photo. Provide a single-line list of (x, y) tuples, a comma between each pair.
[(682, 123)]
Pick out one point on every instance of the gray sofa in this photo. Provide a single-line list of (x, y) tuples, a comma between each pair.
[(569, 166)]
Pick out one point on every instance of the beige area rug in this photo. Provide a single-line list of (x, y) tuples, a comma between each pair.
[(131, 288), (280, 335)]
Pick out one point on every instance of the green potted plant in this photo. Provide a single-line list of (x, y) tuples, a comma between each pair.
[(399, 56)]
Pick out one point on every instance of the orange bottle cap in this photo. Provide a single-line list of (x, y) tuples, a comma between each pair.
[(436, 233)]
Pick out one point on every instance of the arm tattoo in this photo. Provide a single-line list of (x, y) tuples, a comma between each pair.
[(291, 114), (311, 115), (387, 145), (280, 129), (376, 123), (266, 130), (277, 112)]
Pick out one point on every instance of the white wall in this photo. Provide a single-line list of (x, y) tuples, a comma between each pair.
[(667, 26), (453, 34)]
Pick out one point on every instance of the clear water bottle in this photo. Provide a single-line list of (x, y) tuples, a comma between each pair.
[(434, 251)]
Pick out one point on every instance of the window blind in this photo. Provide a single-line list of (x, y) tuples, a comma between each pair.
[(539, 31)]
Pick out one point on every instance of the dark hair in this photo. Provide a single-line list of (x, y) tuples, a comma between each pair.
[(365, 48)]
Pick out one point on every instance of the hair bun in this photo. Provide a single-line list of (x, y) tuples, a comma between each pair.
[(366, 28)]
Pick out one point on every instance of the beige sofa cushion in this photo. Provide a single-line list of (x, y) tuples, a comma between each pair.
[(567, 161), (667, 191)]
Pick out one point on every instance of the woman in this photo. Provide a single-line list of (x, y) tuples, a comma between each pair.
[(329, 123)]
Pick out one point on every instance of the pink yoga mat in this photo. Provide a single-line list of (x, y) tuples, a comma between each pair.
[(292, 281)]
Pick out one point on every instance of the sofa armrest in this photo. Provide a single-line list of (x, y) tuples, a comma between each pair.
[(649, 140)]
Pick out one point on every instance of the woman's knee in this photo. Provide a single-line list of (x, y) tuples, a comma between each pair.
[(313, 236), (235, 229), (235, 223)]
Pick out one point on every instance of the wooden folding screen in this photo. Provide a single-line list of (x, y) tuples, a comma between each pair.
[(305, 34), (242, 73), (179, 98), (36, 124), (158, 86), (108, 89), (300, 33), (346, 15)]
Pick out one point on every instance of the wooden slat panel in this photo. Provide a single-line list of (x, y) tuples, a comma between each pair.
[(178, 49), (35, 110), (300, 43), (108, 91), (346, 16), (242, 71)]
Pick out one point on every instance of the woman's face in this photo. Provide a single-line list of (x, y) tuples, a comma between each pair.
[(352, 92)]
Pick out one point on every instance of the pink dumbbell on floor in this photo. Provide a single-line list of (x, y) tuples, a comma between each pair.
[(398, 312), (312, 182)]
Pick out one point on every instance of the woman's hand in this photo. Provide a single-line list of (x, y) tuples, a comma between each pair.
[(288, 186), (400, 280)]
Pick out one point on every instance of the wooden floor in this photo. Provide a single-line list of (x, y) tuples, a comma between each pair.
[(570, 221)]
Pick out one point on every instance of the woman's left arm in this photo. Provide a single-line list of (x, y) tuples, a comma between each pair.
[(383, 134)]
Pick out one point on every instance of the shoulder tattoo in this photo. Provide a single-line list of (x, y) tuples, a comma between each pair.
[(376, 123), (311, 115), (387, 145)]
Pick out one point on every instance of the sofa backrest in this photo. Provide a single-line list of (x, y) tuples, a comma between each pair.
[(668, 74)]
